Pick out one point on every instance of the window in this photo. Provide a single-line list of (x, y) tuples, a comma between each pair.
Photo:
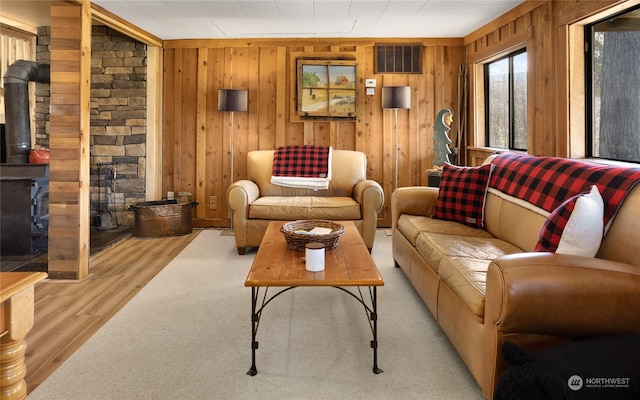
[(398, 58), (613, 87), (506, 102)]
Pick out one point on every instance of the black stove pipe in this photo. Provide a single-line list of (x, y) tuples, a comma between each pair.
[(16, 100)]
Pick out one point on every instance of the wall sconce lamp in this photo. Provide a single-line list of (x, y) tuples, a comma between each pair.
[(232, 100), (396, 97)]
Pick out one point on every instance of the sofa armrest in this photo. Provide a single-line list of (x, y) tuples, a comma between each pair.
[(414, 200), (370, 196), (562, 295)]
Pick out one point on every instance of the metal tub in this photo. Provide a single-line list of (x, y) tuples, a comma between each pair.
[(163, 218)]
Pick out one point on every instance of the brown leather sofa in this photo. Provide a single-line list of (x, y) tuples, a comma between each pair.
[(255, 202), (487, 286)]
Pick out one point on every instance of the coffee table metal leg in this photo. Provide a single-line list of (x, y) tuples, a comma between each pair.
[(374, 342), (372, 315), (254, 330), (256, 311)]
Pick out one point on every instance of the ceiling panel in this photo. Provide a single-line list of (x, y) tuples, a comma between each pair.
[(188, 19)]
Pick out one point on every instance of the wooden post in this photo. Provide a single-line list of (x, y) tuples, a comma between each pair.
[(69, 139)]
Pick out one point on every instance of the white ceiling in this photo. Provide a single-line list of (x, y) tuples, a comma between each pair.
[(26, 15), (195, 19)]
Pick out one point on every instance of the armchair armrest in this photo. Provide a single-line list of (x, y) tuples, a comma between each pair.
[(242, 193), (370, 196), (562, 295), (239, 195), (414, 200)]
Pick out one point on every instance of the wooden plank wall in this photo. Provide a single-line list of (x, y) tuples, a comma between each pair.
[(514, 31), (556, 71), (69, 140), (196, 149)]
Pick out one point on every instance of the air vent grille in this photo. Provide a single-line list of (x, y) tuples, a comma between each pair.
[(398, 58)]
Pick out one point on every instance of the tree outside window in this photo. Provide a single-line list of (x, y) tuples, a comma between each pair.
[(613, 97)]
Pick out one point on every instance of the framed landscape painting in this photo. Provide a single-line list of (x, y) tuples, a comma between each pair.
[(326, 88)]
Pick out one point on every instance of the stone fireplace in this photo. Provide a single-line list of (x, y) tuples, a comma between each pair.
[(118, 119)]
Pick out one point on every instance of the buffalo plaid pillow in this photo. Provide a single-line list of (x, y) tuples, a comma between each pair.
[(462, 194), (303, 161), (553, 228)]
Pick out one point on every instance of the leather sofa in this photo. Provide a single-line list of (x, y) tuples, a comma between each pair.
[(255, 201), (485, 286)]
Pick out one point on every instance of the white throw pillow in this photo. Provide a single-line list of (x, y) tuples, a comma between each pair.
[(583, 234)]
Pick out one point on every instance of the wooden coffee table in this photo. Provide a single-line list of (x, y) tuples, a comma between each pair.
[(348, 265)]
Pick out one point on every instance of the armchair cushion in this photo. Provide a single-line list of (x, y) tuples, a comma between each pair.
[(304, 207)]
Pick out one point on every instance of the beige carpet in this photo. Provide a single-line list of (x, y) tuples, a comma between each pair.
[(187, 335)]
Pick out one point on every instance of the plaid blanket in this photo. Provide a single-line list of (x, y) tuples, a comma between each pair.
[(302, 166), (547, 181)]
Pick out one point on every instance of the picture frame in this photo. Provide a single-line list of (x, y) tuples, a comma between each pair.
[(327, 88)]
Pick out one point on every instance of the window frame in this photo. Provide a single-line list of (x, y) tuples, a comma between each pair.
[(487, 109)]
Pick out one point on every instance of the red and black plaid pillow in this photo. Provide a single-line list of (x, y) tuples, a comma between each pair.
[(553, 227), (462, 194)]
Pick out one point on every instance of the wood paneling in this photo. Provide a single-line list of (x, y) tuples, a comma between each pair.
[(551, 32), (196, 148), (194, 152)]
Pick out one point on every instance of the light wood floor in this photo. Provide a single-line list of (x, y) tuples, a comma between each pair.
[(68, 313)]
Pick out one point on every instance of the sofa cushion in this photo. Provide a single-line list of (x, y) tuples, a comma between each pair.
[(462, 263), (462, 194), (576, 226), (411, 225), (502, 210), (304, 207)]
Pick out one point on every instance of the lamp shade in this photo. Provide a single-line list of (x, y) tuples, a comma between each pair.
[(396, 97), (232, 100)]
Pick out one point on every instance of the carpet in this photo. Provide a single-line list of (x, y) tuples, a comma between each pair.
[(187, 335)]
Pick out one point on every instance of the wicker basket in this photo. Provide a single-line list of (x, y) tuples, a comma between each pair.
[(297, 241)]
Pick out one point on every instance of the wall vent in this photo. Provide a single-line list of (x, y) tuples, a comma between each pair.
[(398, 58)]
